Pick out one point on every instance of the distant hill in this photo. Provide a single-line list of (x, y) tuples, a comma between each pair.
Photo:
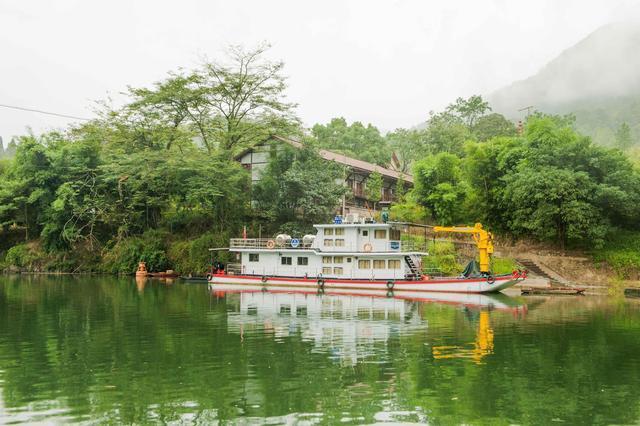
[(598, 79)]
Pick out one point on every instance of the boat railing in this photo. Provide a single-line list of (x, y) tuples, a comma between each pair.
[(408, 246), (298, 243), (268, 243), (234, 268)]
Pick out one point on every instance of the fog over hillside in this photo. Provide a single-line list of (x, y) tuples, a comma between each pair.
[(598, 79)]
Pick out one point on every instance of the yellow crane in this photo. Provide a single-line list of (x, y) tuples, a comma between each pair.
[(482, 238)]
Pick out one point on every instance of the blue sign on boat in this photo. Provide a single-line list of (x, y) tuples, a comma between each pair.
[(295, 242), (337, 220), (395, 245)]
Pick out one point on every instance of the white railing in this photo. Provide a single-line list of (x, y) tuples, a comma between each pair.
[(270, 243), (267, 243)]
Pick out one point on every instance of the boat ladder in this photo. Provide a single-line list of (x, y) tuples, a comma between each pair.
[(415, 269)]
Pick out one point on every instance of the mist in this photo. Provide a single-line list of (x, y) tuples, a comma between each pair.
[(386, 63)]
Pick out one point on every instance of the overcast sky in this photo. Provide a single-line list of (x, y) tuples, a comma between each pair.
[(385, 62)]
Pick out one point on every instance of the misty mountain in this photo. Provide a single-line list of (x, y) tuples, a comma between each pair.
[(598, 79)]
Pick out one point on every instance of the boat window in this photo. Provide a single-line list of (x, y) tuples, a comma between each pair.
[(339, 231), (395, 235), (380, 234), (348, 260), (338, 259), (328, 242), (328, 231), (364, 264), (338, 271), (285, 260), (303, 261), (326, 259), (379, 264), (326, 270), (394, 264), (254, 257), (365, 233), (339, 242), (285, 309)]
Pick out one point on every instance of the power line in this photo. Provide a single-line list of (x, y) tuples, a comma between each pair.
[(45, 112)]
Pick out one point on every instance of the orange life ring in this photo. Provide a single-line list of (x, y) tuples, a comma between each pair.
[(271, 244), (368, 247)]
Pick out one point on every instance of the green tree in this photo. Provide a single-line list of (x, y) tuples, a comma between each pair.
[(11, 149), (408, 145), (298, 188), (491, 126), (373, 188), (623, 137), (554, 204), (439, 187), (354, 140), (469, 110)]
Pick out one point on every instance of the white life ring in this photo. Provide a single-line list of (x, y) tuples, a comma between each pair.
[(271, 244), (368, 247)]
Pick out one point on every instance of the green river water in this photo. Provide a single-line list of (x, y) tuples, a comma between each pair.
[(107, 350)]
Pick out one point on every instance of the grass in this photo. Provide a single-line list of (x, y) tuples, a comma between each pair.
[(622, 254)]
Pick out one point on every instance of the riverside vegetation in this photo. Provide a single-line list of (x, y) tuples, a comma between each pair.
[(156, 180)]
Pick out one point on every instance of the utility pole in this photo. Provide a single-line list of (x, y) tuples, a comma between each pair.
[(528, 109), (520, 128)]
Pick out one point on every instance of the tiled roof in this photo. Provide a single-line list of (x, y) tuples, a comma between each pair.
[(352, 162)]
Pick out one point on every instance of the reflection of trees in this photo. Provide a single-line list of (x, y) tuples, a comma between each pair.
[(113, 353)]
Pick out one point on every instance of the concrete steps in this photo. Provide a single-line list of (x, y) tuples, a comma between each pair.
[(539, 270)]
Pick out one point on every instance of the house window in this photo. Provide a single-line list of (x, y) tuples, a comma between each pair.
[(326, 270), (326, 259), (328, 231), (380, 234), (365, 233), (364, 264), (254, 257), (395, 234), (303, 261), (338, 271), (285, 260), (339, 231), (378, 264), (339, 242), (338, 259), (394, 264), (328, 242)]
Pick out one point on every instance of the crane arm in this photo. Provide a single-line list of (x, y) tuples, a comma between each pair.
[(482, 238)]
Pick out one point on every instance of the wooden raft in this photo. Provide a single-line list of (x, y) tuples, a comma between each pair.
[(552, 290)]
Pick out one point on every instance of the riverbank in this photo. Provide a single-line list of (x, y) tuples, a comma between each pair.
[(162, 251)]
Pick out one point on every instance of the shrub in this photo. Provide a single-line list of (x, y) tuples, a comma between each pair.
[(123, 257)]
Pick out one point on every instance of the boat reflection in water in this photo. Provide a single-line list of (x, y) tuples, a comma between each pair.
[(355, 325)]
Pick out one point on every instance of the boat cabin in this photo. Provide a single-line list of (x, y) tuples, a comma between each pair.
[(353, 248)]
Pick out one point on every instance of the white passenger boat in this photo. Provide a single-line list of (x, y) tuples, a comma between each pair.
[(354, 254)]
